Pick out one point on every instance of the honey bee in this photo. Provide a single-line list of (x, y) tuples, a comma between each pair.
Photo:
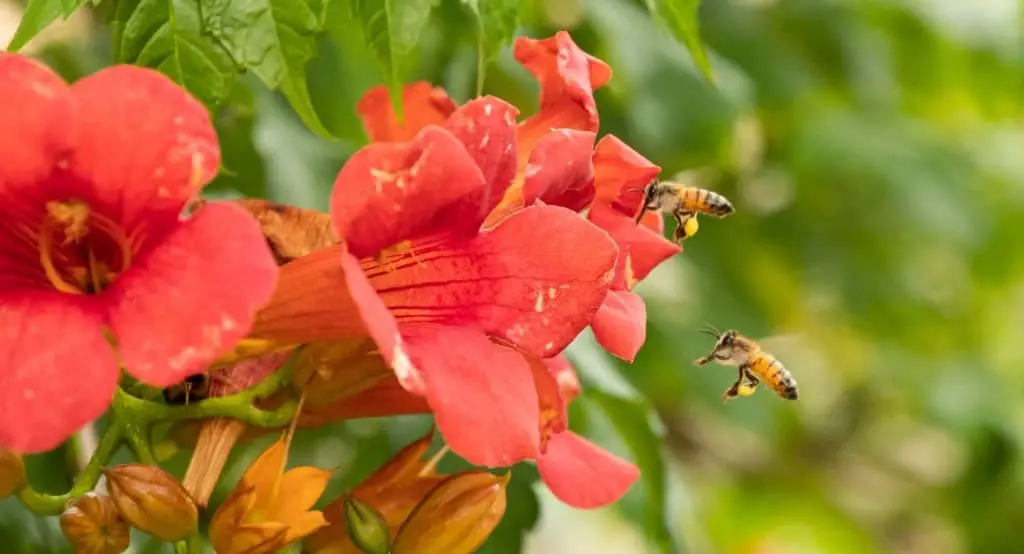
[(683, 203), (193, 389), (754, 365)]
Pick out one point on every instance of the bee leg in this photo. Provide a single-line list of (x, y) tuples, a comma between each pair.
[(734, 390), (686, 225)]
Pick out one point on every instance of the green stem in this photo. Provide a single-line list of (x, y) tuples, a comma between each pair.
[(192, 545), (51, 505), (481, 63)]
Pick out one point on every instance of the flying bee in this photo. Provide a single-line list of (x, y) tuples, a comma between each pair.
[(683, 203), (193, 389), (754, 365)]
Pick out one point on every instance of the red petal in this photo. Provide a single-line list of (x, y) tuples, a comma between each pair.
[(487, 128), (565, 374), (536, 279), (654, 222), (553, 416), (142, 144), (422, 105), (193, 296), (568, 77), (310, 302), (620, 175), (35, 109), (381, 325), (640, 249), (58, 371), (482, 395), (390, 192), (560, 171), (583, 475), (620, 326)]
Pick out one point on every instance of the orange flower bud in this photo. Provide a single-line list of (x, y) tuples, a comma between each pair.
[(330, 371), (366, 527), (150, 499), (392, 492), (456, 517), (92, 526), (12, 473)]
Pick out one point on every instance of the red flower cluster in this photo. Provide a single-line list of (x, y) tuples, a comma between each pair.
[(463, 255), (99, 269)]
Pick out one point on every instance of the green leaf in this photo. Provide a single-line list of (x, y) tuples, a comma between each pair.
[(39, 14), (393, 29), (496, 24), (521, 513), (168, 35), (274, 39), (638, 426), (681, 16)]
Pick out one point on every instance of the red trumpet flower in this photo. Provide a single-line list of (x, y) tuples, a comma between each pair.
[(95, 251)]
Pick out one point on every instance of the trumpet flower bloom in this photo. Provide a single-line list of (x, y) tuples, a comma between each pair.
[(93, 186)]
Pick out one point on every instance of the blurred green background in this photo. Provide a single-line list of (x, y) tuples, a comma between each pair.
[(874, 150)]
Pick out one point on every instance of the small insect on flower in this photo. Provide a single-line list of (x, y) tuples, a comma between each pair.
[(755, 365), (193, 389), (683, 203)]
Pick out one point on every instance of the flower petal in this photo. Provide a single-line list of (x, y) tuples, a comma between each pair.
[(387, 398), (310, 303), (422, 105), (620, 175), (487, 128), (58, 373), (482, 395), (553, 416), (301, 487), (565, 375), (390, 192), (381, 326), (582, 474), (536, 279), (193, 296), (640, 249), (560, 170), (142, 143), (568, 77), (620, 326), (35, 109)]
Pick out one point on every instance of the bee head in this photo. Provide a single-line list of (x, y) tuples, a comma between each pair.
[(651, 195), (723, 341)]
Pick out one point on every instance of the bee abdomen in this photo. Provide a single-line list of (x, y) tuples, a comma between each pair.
[(718, 205), (787, 385)]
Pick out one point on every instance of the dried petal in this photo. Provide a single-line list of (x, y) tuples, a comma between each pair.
[(150, 499), (366, 527), (291, 232), (92, 526), (12, 472), (456, 517)]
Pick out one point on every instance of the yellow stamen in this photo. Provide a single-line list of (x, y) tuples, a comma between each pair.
[(45, 248), (75, 220)]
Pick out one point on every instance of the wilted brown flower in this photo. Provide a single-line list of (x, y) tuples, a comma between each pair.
[(92, 526), (270, 507), (150, 499), (12, 473), (456, 517)]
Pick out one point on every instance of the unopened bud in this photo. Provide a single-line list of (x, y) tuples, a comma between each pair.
[(92, 526), (366, 527), (456, 517), (150, 499), (12, 473)]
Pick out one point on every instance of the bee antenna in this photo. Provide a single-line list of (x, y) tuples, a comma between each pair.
[(710, 330)]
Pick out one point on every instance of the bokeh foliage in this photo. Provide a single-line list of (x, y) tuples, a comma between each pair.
[(873, 150)]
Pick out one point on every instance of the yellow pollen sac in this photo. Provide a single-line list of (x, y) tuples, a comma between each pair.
[(72, 265)]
